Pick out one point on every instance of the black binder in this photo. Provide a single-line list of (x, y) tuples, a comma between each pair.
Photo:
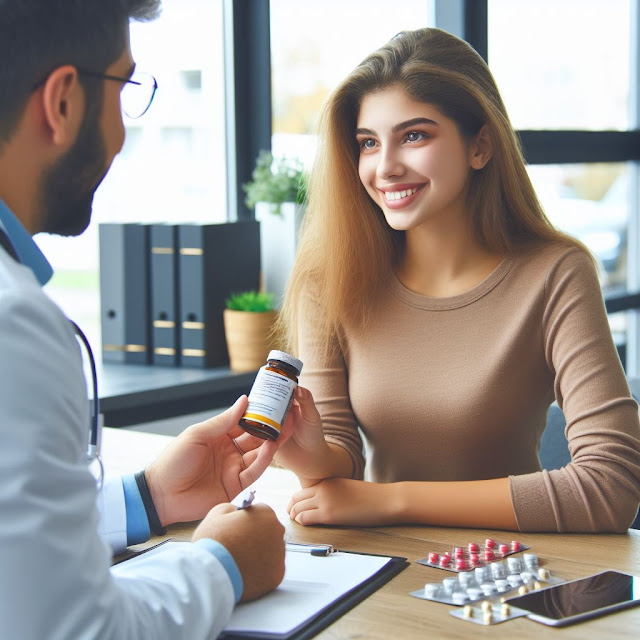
[(163, 276), (215, 260), (124, 292)]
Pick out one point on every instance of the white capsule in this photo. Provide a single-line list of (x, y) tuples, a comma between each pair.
[(464, 578), (474, 593), (497, 570), (514, 580), (526, 576), (514, 564), (482, 574), (449, 584), (503, 585)]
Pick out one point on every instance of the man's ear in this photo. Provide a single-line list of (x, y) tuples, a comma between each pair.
[(481, 148), (62, 105)]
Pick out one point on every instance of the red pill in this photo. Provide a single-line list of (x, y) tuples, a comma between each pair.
[(433, 558), (504, 549), (515, 545), (473, 547), (462, 564), (488, 555), (445, 561), (474, 559), (458, 551), (490, 543)]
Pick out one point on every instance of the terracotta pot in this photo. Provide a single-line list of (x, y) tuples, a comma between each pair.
[(248, 338)]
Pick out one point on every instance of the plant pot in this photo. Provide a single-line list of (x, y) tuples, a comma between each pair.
[(278, 244), (248, 337)]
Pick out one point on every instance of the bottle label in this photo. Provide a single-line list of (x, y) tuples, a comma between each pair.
[(270, 398)]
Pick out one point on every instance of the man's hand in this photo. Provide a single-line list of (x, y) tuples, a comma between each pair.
[(255, 538), (207, 464)]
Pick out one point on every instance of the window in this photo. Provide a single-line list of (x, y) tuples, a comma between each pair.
[(314, 45), (567, 72), (172, 165), (562, 65)]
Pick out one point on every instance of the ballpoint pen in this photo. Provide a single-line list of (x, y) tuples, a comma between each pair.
[(313, 549), (248, 500)]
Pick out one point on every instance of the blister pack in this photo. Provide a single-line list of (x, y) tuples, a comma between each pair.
[(488, 613), (517, 574), (472, 555)]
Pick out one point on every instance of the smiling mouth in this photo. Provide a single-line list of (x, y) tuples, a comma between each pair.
[(401, 194)]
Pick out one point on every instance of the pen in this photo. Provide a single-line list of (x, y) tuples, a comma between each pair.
[(313, 549), (248, 500)]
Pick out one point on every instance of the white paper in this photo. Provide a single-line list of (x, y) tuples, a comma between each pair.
[(310, 584)]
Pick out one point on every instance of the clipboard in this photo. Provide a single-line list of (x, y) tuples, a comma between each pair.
[(318, 619), (322, 618)]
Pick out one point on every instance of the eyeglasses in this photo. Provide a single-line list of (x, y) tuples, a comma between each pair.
[(137, 92), (94, 460)]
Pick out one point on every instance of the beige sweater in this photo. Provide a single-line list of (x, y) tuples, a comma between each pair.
[(458, 389)]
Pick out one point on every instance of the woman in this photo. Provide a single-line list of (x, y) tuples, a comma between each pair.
[(437, 310)]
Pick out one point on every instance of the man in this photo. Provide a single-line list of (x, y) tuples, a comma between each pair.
[(64, 66)]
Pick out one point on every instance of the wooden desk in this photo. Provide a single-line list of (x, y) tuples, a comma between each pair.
[(391, 612)]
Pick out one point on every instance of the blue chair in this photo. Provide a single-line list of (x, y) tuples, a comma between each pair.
[(554, 449)]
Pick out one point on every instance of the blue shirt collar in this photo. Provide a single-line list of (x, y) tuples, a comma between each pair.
[(27, 250)]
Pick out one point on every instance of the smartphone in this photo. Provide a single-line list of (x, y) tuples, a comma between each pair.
[(580, 599)]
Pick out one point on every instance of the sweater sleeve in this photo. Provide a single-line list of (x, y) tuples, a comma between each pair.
[(326, 376), (599, 490)]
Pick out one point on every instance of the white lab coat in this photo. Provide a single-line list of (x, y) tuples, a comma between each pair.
[(55, 575)]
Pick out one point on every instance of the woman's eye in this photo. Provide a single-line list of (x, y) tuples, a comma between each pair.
[(415, 136), (367, 143)]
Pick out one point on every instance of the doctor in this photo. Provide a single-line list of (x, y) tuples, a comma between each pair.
[(65, 66)]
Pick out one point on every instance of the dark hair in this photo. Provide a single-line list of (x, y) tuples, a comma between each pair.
[(38, 36)]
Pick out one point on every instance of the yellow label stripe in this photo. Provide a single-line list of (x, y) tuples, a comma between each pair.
[(259, 418)]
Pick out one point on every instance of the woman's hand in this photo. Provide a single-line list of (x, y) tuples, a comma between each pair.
[(306, 449), (345, 502)]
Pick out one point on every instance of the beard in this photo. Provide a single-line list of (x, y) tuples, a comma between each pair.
[(69, 185)]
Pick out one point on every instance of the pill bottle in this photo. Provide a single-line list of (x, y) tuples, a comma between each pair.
[(271, 396)]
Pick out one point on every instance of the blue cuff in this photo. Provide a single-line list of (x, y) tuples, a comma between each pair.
[(137, 522), (227, 561)]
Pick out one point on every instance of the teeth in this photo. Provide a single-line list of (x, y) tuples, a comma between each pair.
[(398, 195)]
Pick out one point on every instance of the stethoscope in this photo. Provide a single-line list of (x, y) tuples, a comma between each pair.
[(93, 457)]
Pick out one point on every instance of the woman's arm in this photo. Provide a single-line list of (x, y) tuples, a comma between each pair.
[(478, 504)]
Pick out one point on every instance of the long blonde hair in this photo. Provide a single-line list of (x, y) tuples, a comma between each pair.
[(346, 248)]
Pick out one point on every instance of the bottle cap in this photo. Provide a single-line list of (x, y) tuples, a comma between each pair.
[(286, 358)]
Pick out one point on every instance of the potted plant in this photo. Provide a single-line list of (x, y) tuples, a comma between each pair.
[(277, 190), (249, 317)]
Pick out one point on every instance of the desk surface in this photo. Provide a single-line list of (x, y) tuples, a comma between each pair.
[(132, 394), (391, 612)]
